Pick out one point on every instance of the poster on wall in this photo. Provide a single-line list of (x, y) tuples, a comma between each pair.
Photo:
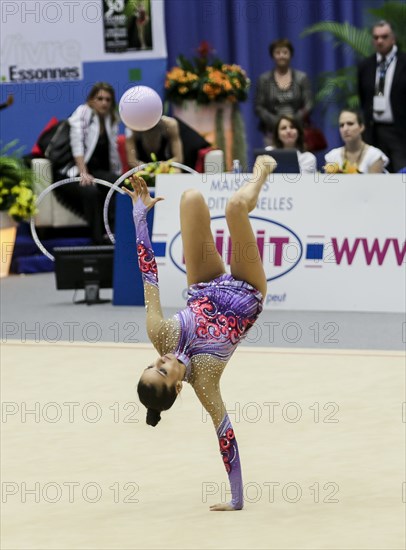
[(127, 25)]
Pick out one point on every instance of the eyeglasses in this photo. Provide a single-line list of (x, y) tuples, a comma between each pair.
[(383, 36)]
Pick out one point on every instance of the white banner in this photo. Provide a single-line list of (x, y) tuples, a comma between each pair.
[(328, 242), (43, 41)]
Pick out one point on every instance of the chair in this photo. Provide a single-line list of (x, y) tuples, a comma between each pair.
[(51, 213), (197, 152)]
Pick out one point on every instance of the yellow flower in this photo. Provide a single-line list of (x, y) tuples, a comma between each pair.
[(25, 195), (332, 168), (16, 194), (349, 168), (14, 210)]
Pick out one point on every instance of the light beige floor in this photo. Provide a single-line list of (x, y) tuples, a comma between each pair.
[(333, 450)]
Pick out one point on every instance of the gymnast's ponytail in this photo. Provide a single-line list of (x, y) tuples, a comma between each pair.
[(156, 400), (153, 417)]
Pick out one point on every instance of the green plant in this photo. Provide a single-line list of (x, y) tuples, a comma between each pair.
[(340, 86), (16, 184)]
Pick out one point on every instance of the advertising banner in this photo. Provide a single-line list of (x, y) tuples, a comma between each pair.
[(49, 41), (52, 53), (327, 242)]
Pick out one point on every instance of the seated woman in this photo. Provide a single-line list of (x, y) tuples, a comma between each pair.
[(93, 139), (289, 134), (163, 140), (356, 156)]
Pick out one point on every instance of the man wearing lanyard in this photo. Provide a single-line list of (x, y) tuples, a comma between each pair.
[(382, 91)]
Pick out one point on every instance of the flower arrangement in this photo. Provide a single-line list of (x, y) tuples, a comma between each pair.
[(152, 169), (206, 79), (346, 168), (16, 186)]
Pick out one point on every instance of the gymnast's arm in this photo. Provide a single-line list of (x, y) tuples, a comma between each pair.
[(142, 202), (208, 392)]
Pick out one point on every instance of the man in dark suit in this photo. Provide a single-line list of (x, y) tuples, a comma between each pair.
[(382, 91)]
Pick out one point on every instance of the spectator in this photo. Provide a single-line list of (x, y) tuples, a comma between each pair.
[(163, 140), (356, 156), (382, 91), (289, 134), (93, 138), (282, 91)]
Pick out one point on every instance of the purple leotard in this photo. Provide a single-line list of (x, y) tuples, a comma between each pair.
[(218, 315)]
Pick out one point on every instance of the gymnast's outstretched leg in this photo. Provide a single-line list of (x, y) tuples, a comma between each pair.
[(246, 263), (203, 262)]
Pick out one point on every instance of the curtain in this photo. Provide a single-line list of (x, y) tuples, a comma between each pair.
[(241, 30)]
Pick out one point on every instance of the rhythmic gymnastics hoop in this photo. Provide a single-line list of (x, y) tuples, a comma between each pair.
[(118, 182), (44, 194)]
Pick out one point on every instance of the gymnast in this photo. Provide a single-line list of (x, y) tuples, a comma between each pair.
[(195, 345)]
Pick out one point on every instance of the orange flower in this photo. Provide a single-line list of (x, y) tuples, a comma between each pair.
[(198, 80)]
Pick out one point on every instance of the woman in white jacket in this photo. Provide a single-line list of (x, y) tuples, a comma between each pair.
[(93, 138)]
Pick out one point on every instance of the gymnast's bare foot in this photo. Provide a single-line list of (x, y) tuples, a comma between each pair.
[(222, 508)]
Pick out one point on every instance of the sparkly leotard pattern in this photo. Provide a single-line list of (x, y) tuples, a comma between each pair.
[(218, 315), (205, 334)]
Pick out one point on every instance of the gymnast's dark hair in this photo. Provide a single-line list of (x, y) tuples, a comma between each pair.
[(156, 400)]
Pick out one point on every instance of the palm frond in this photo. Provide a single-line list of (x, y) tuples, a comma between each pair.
[(358, 39), (353, 102), (8, 146), (337, 87)]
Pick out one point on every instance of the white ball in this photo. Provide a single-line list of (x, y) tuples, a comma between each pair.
[(140, 108)]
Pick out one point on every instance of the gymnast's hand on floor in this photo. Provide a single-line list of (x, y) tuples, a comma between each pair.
[(140, 191), (222, 508)]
